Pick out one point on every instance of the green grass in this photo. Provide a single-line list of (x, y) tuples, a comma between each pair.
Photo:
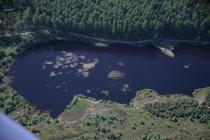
[(78, 106), (145, 93)]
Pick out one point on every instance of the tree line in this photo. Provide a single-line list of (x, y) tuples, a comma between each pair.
[(136, 19)]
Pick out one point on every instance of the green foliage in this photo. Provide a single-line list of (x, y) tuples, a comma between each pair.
[(117, 18), (131, 123), (208, 99), (145, 93), (9, 101), (209, 124), (182, 108), (15, 105), (20, 25), (152, 136), (2, 54), (126, 18), (202, 95), (1, 77), (114, 136)]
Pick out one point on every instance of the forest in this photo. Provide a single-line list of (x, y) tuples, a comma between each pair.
[(122, 19)]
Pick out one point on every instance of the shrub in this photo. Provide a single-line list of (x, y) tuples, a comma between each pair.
[(2, 54), (208, 99), (1, 77), (114, 136), (153, 136), (182, 108)]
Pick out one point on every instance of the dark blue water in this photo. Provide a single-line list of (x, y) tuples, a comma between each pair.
[(35, 79)]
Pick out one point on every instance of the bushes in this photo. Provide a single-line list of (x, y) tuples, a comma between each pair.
[(2, 54), (1, 77), (114, 136), (182, 108), (152, 136), (208, 99), (11, 103), (7, 102), (103, 125)]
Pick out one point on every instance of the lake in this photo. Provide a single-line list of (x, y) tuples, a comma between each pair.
[(49, 74)]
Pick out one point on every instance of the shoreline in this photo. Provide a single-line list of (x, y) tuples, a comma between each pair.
[(86, 111), (50, 38), (103, 42)]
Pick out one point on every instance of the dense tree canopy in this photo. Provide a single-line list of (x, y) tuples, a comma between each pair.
[(183, 19)]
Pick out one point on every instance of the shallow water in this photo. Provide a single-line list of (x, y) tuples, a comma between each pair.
[(50, 74)]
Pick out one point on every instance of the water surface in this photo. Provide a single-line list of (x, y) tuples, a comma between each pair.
[(50, 74)]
